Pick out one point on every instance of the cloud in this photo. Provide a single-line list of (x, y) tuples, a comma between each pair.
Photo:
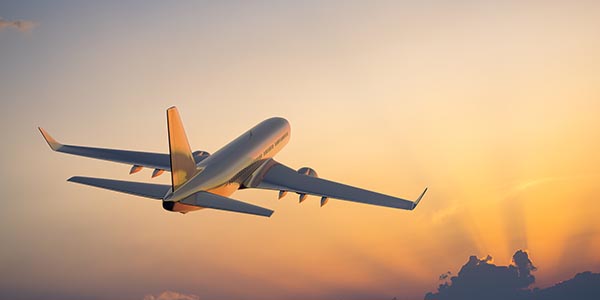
[(445, 275), (171, 295), (21, 25), (583, 286), (481, 279)]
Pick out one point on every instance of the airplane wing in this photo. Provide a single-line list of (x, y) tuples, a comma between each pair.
[(276, 176), (145, 159), (158, 191)]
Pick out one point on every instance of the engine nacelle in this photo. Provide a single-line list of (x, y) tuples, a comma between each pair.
[(308, 171), (200, 155)]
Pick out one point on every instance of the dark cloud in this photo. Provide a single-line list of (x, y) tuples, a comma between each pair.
[(481, 279), (171, 295), (445, 275), (584, 286), (21, 25)]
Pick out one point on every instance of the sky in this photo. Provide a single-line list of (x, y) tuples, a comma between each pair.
[(491, 104)]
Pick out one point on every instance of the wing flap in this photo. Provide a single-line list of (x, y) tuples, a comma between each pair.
[(210, 200), (283, 178), (145, 159), (148, 190)]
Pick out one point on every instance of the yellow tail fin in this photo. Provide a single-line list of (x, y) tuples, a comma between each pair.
[(183, 166)]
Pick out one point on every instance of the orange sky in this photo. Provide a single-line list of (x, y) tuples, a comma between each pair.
[(493, 106)]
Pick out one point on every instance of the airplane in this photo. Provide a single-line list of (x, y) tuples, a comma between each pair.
[(201, 180)]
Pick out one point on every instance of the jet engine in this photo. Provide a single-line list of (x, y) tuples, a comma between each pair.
[(200, 155), (308, 172)]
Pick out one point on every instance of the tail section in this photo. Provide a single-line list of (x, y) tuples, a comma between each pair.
[(183, 166)]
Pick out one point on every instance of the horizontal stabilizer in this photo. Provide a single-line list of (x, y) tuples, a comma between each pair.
[(148, 190), (210, 200)]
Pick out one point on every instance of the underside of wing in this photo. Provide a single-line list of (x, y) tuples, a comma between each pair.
[(276, 176), (143, 159)]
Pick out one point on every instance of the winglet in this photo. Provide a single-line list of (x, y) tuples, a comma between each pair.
[(54, 145), (419, 199)]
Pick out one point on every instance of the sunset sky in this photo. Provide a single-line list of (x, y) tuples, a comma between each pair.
[(495, 105)]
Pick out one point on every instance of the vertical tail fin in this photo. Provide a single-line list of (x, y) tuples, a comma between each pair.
[(183, 166)]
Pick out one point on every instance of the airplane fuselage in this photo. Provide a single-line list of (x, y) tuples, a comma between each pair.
[(223, 172)]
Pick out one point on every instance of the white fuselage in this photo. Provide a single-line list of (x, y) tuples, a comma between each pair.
[(225, 171)]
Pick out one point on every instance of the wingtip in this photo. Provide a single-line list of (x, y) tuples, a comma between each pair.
[(54, 145), (74, 179), (264, 212), (419, 199)]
